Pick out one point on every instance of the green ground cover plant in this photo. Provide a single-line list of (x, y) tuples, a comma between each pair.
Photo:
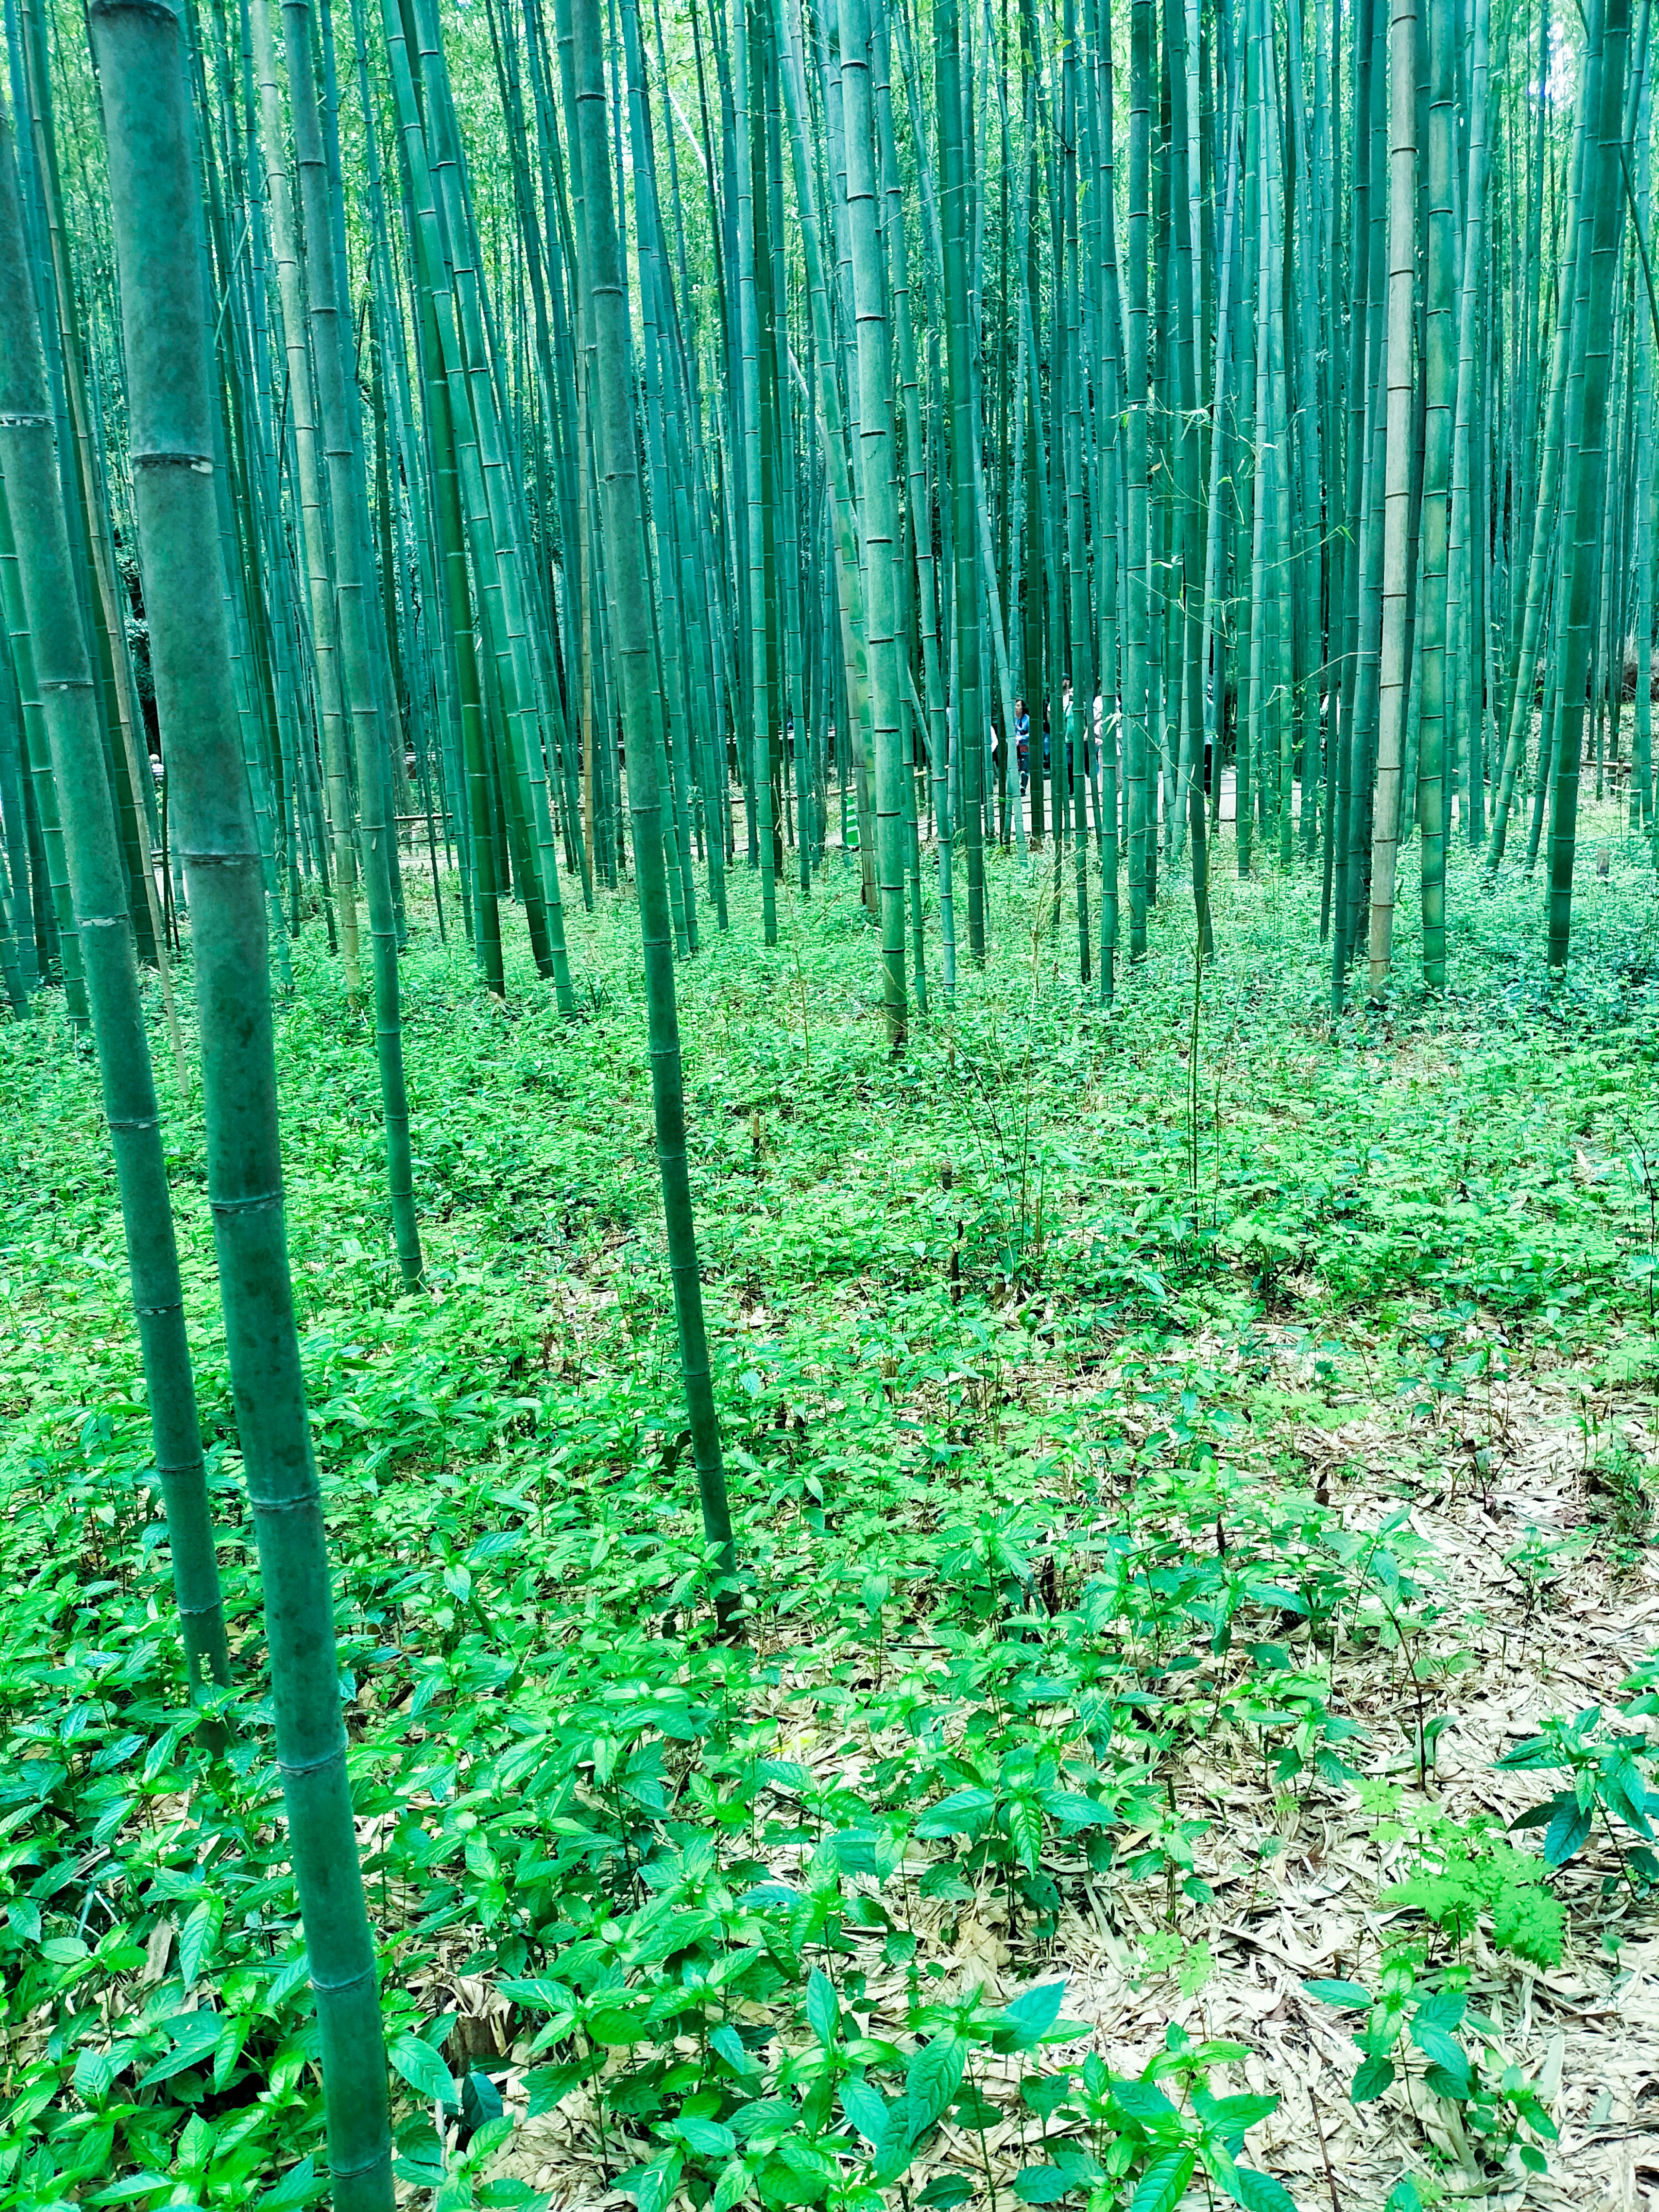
[(1028, 1544)]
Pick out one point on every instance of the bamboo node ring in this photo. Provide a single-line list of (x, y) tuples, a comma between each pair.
[(134, 7), (380, 2157), (298, 1766)]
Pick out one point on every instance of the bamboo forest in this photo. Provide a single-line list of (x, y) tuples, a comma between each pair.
[(829, 1105)]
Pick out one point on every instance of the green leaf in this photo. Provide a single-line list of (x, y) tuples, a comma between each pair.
[(1288, 1601), (1565, 1836), (300, 2185), (1046, 2092), (94, 2070), (1164, 2184), (1538, 1816), (538, 1993), (856, 1853), (946, 2191), (823, 2006), (288, 1978), (1074, 1810), (1371, 2077), (651, 2186), (932, 2080), (1537, 1751), (419, 2172), (1346, 1997), (964, 1813), (1237, 2114), (1144, 2101), (1622, 1788), (734, 2184), (548, 2086), (481, 2101), (1025, 1833), (423, 2068), (1456, 2082), (865, 2107), (707, 2136), (1259, 2192), (1444, 2009), (805, 2159), (1528, 1921), (895, 2149), (970, 2108), (729, 2044), (1034, 2011), (229, 2049), (1046, 2184), (198, 1937), (1623, 1769), (194, 2034)]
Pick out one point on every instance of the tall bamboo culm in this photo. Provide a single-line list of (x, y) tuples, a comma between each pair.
[(606, 307), (98, 884), (156, 210)]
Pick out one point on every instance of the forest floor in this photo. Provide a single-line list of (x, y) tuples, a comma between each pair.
[(1164, 1493)]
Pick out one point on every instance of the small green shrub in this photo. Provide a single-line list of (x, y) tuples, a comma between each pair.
[(1468, 1875)]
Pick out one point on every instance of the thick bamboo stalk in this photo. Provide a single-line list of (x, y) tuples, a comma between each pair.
[(157, 212)]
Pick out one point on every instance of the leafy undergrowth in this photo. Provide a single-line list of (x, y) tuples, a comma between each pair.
[(1165, 1495)]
